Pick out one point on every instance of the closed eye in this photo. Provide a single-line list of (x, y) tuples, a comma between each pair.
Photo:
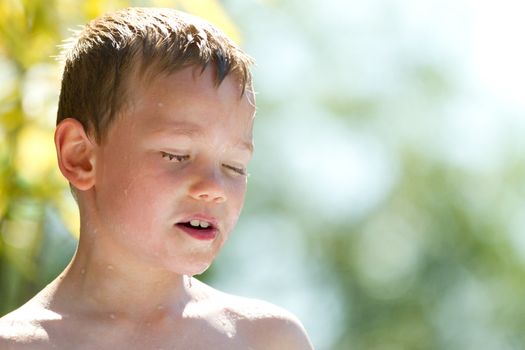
[(177, 157), (240, 171)]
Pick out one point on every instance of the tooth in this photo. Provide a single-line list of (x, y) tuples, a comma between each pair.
[(204, 224), (194, 223)]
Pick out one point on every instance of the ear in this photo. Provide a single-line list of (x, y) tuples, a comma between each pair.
[(75, 152)]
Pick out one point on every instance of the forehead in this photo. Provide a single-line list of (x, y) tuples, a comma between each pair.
[(188, 85), (190, 101)]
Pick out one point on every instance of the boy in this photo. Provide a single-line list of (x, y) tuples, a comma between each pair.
[(154, 134)]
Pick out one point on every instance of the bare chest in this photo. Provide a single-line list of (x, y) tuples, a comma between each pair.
[(191, 334)]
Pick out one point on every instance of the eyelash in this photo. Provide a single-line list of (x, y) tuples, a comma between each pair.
[(174, 156), (181, 158), (239, 171)]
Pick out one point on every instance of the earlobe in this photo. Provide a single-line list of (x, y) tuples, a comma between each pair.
[(75, 152)]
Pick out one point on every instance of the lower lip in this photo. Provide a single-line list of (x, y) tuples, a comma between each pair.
[(200, 234)]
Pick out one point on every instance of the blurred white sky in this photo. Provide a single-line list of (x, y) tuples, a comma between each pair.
[(497, 49)]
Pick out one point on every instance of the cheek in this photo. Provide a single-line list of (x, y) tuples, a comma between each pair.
[(237, 195), (128, 196)]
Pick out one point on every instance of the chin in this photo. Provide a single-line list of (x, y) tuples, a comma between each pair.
[(195, 271), (198, 271), (191, 268)]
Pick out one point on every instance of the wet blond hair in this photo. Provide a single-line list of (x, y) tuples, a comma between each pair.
[(102, 57)]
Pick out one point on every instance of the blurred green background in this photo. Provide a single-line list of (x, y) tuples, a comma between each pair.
[(386, 198)]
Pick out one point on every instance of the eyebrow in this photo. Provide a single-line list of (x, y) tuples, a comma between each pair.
[(192, 130)]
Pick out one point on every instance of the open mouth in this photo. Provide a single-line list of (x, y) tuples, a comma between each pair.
[(199, 229), (197, 224)]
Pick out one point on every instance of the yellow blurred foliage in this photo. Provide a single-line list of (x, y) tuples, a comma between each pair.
[(12, 12), (68, 210), (95, 8), (35, 154), (20, 233), (26, 31), (3, 192), (3, 198)]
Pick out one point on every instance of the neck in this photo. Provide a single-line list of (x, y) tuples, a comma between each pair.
[(104, 281)]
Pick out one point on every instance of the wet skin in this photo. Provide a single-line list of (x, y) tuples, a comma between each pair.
[(177, 154)]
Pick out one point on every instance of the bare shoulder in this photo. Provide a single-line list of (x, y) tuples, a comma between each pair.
[(21, 329), (270, 327), (263, 325)]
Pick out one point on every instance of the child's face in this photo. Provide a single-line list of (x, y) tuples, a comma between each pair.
[(177, 154)]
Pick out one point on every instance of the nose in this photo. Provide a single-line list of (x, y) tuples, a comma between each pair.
[(208, 188)]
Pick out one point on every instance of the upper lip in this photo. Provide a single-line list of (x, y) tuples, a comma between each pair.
[(202, 217)]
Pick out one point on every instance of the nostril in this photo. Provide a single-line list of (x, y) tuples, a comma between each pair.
[(214, 194), (219, 199), (215, 199)]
